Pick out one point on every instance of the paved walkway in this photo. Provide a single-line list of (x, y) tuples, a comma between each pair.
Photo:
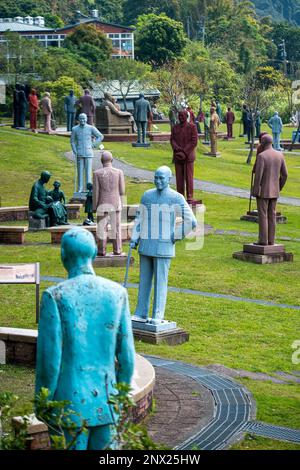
[(209, 187), (178, 290)]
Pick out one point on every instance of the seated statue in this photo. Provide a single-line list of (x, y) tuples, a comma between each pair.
[(109, 117), (58, 206), (41, 203)]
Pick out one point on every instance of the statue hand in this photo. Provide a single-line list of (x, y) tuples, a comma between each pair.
[(133, 244)]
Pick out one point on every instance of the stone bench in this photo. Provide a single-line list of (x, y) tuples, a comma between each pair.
[(17, 346), (12, 235), (57, 232), (8, 214)]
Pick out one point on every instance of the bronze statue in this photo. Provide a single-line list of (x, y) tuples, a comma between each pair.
[(39, 202), (58, 206)]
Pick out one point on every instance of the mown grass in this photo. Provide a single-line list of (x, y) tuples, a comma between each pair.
[(236, 334)]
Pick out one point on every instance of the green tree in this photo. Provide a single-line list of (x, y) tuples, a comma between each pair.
[(122, 76), (53, 21), (268, 77), (159, 39), (133, 9), (88, 42)]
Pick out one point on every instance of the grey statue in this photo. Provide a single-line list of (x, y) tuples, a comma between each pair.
[(156, 233), (142, 111), (82, 145), (69, 105), (85, 343)]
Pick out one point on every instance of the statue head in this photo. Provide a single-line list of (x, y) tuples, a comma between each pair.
[(56, 184), (86, 91), (71, 92), (45, 176), (33, 91), (106, 158), (78, 248), (47, 94), (261, 136), (212, 110), (267, 141), (162, 177), (276, 113), (82, 119), (182, 116), (141, 95), (18, 86), (89, 186)]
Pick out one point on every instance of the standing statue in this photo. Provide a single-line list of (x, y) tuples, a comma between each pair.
[(206, 128), (85, 343), (82, 146), (69, 105), (250, 125), (142, 111), (33, 109), (22, 107), (58, 206), (47, 112), (270, 177), (16, 106), (258, 124), (184, 139), (108, 188), (213, 129), (219, 110), (87, 106), (229, 119), (156, 232), (88, 206), (40, 203), (275, 123), (245, 120)]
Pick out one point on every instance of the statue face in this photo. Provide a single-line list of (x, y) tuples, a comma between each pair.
[(161, 180), (82, 120), (182, 116)]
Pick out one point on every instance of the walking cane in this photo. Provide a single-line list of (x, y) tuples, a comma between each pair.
[(127, 267), (250, 200)]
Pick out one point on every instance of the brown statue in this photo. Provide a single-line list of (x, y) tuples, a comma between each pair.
[(213, 129), (87, 106), (184, 139), (108, 187), (270, 177)]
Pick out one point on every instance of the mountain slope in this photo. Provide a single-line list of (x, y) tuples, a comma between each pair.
[(279, 10)]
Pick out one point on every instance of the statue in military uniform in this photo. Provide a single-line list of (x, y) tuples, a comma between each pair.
[(142, 111), (82, 145), (156, 233), (69, 105)]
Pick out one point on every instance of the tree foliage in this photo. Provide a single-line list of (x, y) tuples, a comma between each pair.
[(159, 39)]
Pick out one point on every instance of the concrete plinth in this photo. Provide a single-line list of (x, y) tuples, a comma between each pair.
[(260, 254), (209, 154), (112, 261), (36, 224), (252, 216), (137, 144), (171, 337), (161, 327)]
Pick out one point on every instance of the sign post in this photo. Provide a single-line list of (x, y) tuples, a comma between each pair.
[(23, 274)]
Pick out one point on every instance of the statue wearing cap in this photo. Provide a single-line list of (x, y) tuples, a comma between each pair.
[(108, 188)]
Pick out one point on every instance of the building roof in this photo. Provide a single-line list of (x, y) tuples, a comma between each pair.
[(113, 87), (21, 27), (94, 20)]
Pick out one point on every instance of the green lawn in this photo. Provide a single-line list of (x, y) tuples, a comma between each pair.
[(235, 334)]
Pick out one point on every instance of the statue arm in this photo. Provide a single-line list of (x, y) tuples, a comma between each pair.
[(96, 192), (136, 231), (98, 136), (74, 142), (49, 345), (283, 175), (35, 198), (121, 184), (259, 170), (193, 142), (125, 345), (189, 221)]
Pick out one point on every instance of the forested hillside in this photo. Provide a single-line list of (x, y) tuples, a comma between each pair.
[(279, 10)]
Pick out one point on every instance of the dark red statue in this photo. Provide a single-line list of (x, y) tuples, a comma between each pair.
[(184, 139)]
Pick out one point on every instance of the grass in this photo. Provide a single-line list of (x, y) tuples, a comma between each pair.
[(236, 334)]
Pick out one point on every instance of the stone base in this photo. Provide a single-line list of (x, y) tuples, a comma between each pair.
[(260, 254), (204, 142), (172, 337), (252, 216), (162, 327), (137, 144), (36, 224), (12, 235), (78, 198), (112, 261), (229, 138), (209, 154)]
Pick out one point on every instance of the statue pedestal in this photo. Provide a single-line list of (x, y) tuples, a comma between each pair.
[(261, 254), (205, 142), (112, 261), (36, 224), (137, 144), (252, 216), (78, 198), (165, 332), (209, 154)]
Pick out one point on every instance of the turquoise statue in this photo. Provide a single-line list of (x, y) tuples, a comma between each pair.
[(142, 111), (85, 342), (82, 145), (40, 203), (88, 207), (58, 206), (275, 123), (156, 233)]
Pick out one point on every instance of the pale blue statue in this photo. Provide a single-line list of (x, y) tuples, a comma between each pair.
[(142, 111), (156, 232), (275, 123), (84, 138), (70, 109), (85, 342)]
